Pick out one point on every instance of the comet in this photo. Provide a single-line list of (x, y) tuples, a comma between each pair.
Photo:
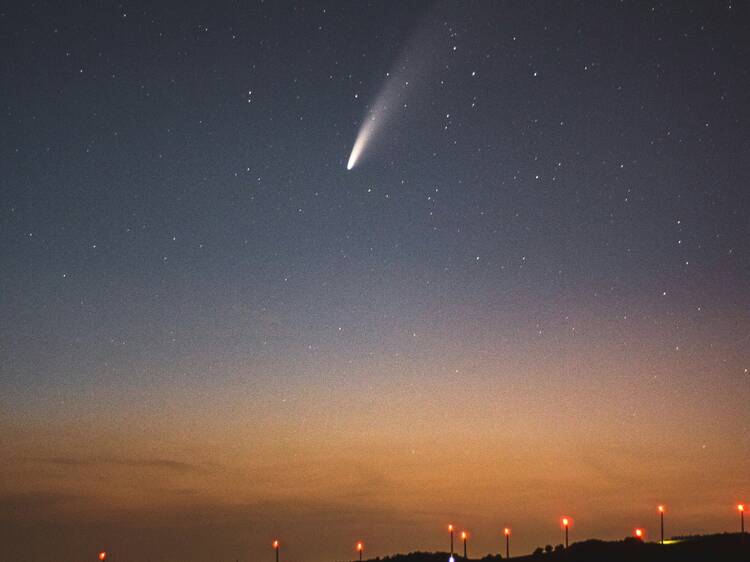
[(419, 57), (365, 132), (392, 95)]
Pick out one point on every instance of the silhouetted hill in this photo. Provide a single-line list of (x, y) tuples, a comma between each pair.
[(727, 547)]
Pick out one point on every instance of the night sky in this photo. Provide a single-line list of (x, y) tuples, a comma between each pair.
[(529, 298)]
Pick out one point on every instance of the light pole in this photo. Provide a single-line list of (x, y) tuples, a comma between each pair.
[(566, 524), (360, 549), (507, 542), (450, 530), (638, 534), (102, 556), (464, 536), (662, 509), (741, 509), (276, 546)]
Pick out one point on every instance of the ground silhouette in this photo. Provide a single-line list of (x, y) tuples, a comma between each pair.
[(704, 548)]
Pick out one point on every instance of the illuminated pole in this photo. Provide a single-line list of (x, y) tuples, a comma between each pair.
[(450, 530), (661, 522), (638, 534), (741, 509), (102, 556), (507, 543), (276, 546), (360, 549), (566, 523), (464, 536)]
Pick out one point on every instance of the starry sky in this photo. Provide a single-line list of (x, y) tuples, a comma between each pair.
[(529, 298)]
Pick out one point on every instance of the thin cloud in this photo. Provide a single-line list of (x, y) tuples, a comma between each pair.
[(157, 463)]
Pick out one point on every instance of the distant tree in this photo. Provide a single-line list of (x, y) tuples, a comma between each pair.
[(548, 548), (559, 548), (538, 551)]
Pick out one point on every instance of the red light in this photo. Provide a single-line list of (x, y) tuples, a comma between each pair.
[(276, 544), (464, 534), (661, 509), (360, 546), (506, 531), (102, 555), (565, 521), (741, 507), (639, 533)]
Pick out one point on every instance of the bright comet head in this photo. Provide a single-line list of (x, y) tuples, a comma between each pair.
[(363, 137)]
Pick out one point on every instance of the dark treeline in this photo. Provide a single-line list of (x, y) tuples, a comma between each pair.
[(724, 547)]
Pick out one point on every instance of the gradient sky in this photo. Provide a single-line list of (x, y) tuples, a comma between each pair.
[(530, 298)]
